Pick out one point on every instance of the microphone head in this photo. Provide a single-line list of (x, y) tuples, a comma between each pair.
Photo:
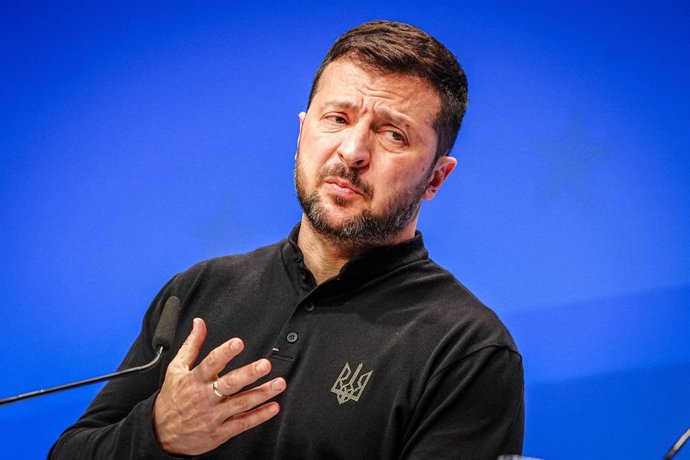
[(167, 324)]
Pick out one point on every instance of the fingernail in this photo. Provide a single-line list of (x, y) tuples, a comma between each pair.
[(263, 366), (278, 384), (272, 409), (235, 344)]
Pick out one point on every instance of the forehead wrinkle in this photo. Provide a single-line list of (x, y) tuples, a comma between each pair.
[(379, 108), (385, 102), (389, 89), (393, 116), (340, 104)]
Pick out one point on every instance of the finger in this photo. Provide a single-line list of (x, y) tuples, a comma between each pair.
[(189, 351), (234, 381), (248, 400), (248, 420), (219, 357)]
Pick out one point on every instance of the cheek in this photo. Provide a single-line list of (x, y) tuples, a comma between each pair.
[(316, 151), (325, 145), (306, 164), (397, 172), (307, 171), (395, 181)]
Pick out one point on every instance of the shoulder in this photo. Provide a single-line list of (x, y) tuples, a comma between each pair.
[(453, 312), (229, 268)]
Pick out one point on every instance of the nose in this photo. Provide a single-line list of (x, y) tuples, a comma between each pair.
[(354, 149)]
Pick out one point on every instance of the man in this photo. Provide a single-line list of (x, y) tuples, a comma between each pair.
[(345, 340)]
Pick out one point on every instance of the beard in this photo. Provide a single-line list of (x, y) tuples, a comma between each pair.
[(366, 229)]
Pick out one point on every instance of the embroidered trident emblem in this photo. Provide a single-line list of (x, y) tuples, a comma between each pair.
[(349, 385)]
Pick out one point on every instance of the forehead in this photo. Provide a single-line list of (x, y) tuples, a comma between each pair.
[(347, 83)]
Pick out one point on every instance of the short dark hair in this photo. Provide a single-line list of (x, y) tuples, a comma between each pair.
[(395, 47)]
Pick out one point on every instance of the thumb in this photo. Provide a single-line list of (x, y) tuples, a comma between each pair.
[(189, 351)]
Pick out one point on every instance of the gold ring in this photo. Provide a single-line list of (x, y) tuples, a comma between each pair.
[(217, 392)]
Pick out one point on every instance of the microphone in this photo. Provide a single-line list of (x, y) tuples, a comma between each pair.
[(167, 324), (162, 340)]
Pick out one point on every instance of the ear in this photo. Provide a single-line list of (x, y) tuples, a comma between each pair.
[(444, 166), (301, 116)]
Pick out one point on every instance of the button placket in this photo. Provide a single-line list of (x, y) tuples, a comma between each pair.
[(287, 344)]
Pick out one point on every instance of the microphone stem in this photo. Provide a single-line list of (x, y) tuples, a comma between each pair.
[(677, 446), (80, 383)]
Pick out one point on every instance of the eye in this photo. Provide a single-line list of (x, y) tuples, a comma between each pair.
[(336, 119), (395, 136)]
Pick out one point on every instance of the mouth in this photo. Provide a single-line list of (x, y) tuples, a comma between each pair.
[(343, 183), (343, 187)]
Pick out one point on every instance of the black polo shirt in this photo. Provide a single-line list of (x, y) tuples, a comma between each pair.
[(392, 358)]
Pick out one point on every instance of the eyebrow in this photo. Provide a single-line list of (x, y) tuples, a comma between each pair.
[(339, 104), (344, 104)]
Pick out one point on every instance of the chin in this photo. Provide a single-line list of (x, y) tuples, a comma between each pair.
[(338, 220)]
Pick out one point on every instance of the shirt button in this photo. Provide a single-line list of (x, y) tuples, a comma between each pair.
[(309, 306), (292, 337)]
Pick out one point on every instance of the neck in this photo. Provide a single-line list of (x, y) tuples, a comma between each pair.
[(325, 256)]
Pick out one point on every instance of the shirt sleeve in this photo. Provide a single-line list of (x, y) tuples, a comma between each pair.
[(471, 409), (119, 422)]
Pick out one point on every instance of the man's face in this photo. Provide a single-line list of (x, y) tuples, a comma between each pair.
[(366, 155)]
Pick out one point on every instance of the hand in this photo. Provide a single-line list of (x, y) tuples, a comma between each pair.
[(189, 418)]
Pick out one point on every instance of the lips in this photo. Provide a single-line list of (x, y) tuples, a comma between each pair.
[(343, 186), (345, 182)]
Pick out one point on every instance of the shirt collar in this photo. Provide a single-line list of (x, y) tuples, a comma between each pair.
[(363, 268)]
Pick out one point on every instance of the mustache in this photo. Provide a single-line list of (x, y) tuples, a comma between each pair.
[(350, 175)]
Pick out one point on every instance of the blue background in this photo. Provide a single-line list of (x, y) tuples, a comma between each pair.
[(136, 140)]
